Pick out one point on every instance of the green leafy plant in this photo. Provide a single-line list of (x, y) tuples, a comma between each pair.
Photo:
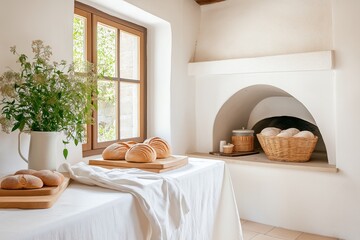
[(47, 96)]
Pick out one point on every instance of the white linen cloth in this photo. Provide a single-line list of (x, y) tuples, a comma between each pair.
[(165, 207), (86, 212)]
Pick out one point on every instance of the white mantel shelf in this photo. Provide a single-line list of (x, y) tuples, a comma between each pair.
[(309, 61), (261, 160)]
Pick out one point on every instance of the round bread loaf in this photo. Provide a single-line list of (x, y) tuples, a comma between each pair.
[(131, 142), (291, 131), (141, 152), (161, 147), (25, 171), (62, 178), (21, 181), (271, 128), (284, 134), (50, 178), (270, 131), (305, 134), (117, 151)]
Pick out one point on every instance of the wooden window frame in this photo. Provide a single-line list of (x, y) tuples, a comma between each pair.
[(94, 16)]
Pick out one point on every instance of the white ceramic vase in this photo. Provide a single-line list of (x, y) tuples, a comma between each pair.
[(42, 150)]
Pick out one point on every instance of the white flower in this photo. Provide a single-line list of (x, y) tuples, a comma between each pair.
[(5, 124), (13, 49), (8, 90)]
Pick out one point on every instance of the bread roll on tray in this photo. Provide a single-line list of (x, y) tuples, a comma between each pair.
[(21, 181), (49, 178), (25, 171), (161, 147), (117, 151), (141, 152)]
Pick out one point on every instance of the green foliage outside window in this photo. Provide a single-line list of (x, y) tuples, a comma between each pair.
[(106, 55), (79, 43)]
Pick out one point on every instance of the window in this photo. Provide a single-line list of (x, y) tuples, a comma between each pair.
[(117, 48)]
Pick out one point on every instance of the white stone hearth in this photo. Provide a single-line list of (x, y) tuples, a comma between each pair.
[(228, 91)]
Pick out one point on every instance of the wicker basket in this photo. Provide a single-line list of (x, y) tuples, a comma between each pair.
[(243, 143), (289, 149), (228, 148)]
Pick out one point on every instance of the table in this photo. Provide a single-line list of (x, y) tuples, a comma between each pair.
[(93, 213)]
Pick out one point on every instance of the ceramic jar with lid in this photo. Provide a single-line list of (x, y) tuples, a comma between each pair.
[(243, 140)]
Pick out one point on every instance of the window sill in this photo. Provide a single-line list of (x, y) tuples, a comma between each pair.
[(261, 160), (89, 153)]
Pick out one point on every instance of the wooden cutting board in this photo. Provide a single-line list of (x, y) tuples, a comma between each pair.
[(234, 154), (33, 192), (32, 199), (159, 165)]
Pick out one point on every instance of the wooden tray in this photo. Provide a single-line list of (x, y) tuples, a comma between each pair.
[(33, 192), (159, 165), (33, 201), (234, 154)]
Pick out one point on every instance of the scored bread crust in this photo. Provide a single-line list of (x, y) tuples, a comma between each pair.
[(161, 147), (50, 178), (25, 171), (117, 151), (21, 181), (141, 152), (131, 143)]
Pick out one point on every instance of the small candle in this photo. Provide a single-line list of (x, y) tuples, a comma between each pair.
[(222, 143)]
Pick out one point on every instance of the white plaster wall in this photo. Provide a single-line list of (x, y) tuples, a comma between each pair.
[(20, 23), (321, 203), (346, 37), (251, 28), (184, 18)]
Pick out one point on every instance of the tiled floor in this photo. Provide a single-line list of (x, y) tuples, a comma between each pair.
[(258, 231)]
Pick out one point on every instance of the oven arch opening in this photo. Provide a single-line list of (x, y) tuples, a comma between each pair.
[(256, 106)]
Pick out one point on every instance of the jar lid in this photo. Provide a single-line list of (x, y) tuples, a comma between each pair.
[(243, 132)]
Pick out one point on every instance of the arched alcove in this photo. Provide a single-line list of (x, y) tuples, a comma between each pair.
[(255, 106)]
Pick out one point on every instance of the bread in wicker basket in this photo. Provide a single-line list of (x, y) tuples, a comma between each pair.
[(288, 149)]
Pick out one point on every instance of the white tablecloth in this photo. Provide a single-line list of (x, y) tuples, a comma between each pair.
[(93, 213)]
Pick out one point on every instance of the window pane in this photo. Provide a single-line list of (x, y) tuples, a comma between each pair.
[(129, 56), (129, 110), (106, 50), (85, 138), (107, 111), (79, 42)]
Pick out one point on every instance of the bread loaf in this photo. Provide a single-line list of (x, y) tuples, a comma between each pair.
[(131, 143), (140, 152), (49, 178), (25, 171), (21, 181), (117, 151), (291, 131), (270, 131), (305, 134), (161, 147), (62, 178), (284, 134)]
